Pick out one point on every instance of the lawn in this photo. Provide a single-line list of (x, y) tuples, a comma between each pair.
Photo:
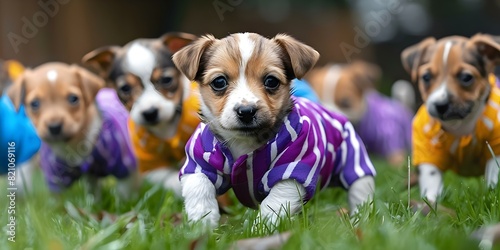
[(74, 220)]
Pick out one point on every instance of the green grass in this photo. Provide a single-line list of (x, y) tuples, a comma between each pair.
[(45, 221)]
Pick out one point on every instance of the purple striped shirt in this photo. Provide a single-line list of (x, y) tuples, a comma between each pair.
[(313, 145), (111, 154)]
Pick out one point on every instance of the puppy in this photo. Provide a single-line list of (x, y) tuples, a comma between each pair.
[(459, 117), (81, 124), (18, 147), (271, 148), (384, 124), (163, 103)]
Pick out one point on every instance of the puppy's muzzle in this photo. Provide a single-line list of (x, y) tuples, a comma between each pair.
[(246, 113), (150, 115), (55, 129)]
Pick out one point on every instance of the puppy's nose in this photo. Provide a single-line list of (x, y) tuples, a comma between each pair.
[(246, 113), (442, 107), (150, 115), (55, 128)]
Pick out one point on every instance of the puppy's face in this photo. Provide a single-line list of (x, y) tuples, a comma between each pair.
[(452, 73), (144, 76), (59, 100), (245, 80), (342, 87)]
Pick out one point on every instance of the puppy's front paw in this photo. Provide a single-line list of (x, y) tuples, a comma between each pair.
[(200, 200)]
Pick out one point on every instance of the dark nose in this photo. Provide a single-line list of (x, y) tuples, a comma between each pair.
[(150, 115), (441, 108), (55, 128), (246, 113)]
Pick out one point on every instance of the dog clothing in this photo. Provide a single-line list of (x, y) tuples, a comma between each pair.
[(15, 126), (385, 127), (462, 154), (153, 152), (313, 145), (111, 154)]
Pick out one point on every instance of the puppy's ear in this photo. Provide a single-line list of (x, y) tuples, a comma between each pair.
[(486, 45), (300, 57), (101, 59), (175, 41), (366, 74), (90, 83), (17, 92), (412, 56), (188, 59)]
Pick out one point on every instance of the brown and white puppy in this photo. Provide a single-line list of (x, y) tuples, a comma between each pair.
[(460, 111), (79, 124), (271, 148), (161, 101)]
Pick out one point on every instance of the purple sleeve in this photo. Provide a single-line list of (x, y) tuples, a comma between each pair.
[(353, 161), (204, 156)]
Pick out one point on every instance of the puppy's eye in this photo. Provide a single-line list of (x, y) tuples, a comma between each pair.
[(466, 79), (427, 77), (271, 83), (165, 81), (35, 104), (125, 88), (219, 84), (73, 99)]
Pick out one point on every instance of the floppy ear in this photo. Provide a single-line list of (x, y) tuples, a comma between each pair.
[(101, 59), (175, 41), (301, 57), (17, 92), (188, 59), (412, 56), (486, 45), (366, 74), (90, 83)]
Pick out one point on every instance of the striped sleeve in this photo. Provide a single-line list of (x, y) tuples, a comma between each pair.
[(203, 155), (354, 162)]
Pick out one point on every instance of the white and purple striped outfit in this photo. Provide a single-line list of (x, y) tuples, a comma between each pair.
[(313, 145), (111, 154)]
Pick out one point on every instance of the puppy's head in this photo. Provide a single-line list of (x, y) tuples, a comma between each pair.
[(452, 73), (59, 99), (9, 71), (245, 80), (342, 87), (144, 76)]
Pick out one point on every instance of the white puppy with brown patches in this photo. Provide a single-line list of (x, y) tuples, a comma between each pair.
[(270, 148)]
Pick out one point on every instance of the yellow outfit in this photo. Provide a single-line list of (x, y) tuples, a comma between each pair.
[(466, 155), (153, 152)]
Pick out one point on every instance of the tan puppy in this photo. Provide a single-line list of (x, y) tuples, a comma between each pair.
[(82, 125), (460, 111), (383, 123), (271, 148)]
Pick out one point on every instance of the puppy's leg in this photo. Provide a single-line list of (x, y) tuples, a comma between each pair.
[(200, 199), (24, 177), (430, 181), (285, 195), (128, 188), (168, 177), (492, 171), (361, 191)]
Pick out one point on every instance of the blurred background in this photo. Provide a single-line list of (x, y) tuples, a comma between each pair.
[(35, 32)]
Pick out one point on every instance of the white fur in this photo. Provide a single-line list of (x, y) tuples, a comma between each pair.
[(492, 171), (330, 83), (200, 199), (286, 197), (169, 178), (360, 192), (446, 53), (52, 76), (140, 61), (24, 176), (430, 181)]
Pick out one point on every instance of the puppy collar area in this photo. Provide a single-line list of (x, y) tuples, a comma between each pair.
[(301, 151)]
